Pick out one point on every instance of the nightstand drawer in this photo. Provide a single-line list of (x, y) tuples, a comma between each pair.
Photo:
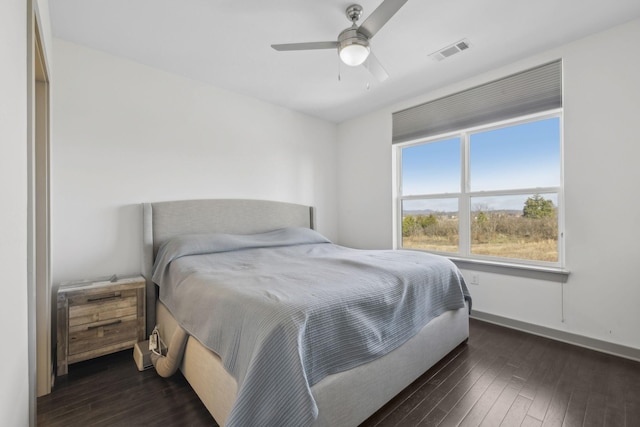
[(91, 337), (85, 309)]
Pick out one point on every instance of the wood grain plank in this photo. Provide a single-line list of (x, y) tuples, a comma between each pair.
[(616, 388), (577, 408), (517, 412), (631, 413), (464, 405), (460, 390), (529, 421), (482, 407), (423, 408), (480, 410), (546, 388), (502, 405), (78, 322), (595, 409)]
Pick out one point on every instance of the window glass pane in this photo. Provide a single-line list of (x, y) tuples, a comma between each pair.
[(432, 168), (430, 224), (520, 226), (521, 156)]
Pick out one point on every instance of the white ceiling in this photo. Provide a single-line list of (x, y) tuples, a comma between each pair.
[(227, 42)]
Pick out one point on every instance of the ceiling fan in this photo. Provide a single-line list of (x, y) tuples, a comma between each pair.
[(353, 43)]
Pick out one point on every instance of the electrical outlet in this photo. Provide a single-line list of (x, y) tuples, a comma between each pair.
[(474, 279)]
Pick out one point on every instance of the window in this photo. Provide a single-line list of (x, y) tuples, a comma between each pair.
[(479, 172), (491, 191)]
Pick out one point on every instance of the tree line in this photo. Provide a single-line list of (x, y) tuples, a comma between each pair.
[(537, 222)]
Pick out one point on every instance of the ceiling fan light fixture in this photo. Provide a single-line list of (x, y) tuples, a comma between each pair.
[(354, 54), (353, 43), (353, 47)]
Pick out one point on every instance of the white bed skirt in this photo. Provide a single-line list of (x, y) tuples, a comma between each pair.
[(344, 399)]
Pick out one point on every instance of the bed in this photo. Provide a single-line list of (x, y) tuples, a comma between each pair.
[(346, 397)]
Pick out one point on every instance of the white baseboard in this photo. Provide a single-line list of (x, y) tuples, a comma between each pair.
[(567, 337)]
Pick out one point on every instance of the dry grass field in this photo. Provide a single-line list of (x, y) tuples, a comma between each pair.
[(545, 250), (500, 236)]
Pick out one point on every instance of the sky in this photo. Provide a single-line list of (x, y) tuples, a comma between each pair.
[(519, 156)]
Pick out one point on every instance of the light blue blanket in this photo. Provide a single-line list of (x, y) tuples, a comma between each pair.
[(287, 308)]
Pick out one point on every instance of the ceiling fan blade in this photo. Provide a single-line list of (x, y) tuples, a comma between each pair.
[(379, 17), (305, 46), (375, 68)]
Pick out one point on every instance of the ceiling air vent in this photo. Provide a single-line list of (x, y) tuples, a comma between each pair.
[(451, 50)]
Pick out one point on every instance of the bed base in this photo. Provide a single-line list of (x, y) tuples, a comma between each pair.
[(344, 399)]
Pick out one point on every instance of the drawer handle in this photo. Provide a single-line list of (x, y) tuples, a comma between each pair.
[(115, 295), (115, 322)]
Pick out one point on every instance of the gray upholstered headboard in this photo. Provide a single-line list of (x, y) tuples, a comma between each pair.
[(164, 220)]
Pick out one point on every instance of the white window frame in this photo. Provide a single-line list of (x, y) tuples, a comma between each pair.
[(464, 197)]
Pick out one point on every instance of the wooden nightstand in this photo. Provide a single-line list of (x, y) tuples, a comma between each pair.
[(99, 317)]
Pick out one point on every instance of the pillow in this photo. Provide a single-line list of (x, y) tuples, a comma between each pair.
[(207, 243)]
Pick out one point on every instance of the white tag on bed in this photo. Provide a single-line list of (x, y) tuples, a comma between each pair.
[(153, 342)]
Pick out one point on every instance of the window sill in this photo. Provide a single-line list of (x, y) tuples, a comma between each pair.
[(551, 274)]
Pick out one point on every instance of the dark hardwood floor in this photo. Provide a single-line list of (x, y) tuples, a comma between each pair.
[(501, 377)]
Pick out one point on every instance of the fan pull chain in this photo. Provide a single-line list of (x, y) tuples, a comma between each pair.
[(339, 69)]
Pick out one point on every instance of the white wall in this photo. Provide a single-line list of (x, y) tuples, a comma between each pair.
[(365, 171), (124, 133), (16, 387), (602, 106)]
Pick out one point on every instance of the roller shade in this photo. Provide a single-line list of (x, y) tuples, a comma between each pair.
[(531, 91)]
